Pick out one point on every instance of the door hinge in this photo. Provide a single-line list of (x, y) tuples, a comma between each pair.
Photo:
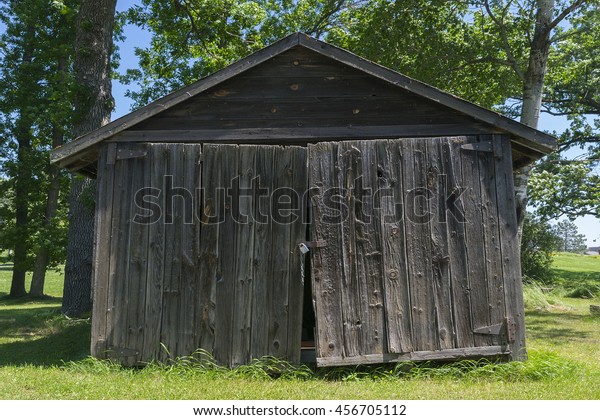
[(130, 154), (506, 328), (485, 146)]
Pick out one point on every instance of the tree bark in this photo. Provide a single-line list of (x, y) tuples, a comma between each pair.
[(533, 87), (17, 287), (23, 128), (42, 258), (93, 105)]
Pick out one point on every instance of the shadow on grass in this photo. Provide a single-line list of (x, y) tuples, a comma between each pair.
[(574, 277), (6, 266), (41, 337), (544, 325), (6, 300)]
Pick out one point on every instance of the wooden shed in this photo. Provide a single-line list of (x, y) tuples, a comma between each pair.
[(402, 195)]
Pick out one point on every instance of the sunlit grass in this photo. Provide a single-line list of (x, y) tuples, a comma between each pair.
[(45, 356)]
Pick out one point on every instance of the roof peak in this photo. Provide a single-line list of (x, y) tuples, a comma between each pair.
[(76, 154)]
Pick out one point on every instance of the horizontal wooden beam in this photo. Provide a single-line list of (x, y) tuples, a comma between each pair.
[(416, 356), (275, 135)]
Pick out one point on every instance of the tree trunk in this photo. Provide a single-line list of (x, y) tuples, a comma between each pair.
[(17, 287), (533, 87), (42, 257), (22, 185), (93, 105)]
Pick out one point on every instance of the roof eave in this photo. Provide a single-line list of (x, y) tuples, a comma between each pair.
[(58, 155)]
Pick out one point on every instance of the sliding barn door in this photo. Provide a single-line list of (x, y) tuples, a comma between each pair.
[(418, 257)]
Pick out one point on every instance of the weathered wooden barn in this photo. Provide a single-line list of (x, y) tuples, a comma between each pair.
[(402, 194)]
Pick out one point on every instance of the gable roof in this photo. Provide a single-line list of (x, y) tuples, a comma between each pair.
[(82, 152)]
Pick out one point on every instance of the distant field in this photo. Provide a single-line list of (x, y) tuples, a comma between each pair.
[(45, 356)]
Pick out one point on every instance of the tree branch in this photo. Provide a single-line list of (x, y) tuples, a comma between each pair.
[(563, 15), (507, 48), (336, 6)]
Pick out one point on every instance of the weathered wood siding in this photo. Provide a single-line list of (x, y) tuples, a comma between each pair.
[(213, 271), (301, 95), (420, 257), (419, 261)]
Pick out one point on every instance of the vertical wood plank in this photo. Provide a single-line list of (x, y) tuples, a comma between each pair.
[(227, 261), (172, 291), (355, 311), (212, 208), (511, 267), (103, 228), (325, 261), (458, 253), (189, 295), (491, 239), (244, 223), (299, 186), (418, 245), (262, 252), (137, 264), (476, 258), (280, 240), (436, 184), (157, 157), (369, 248), (119, 257), (390, 201)]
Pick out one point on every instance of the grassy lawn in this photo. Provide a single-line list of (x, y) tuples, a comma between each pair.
[(45, 356)]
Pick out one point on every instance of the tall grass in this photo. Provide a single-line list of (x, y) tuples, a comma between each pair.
[(541, 365)]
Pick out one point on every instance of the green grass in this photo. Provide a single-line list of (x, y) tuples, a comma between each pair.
[(45, 356), (577, 275)]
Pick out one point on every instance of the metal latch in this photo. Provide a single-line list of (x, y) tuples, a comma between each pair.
[(306, 245)]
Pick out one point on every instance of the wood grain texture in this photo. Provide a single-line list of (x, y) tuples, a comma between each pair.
[(103, 228), (299, 188), (262, 291), (491, 237), (173, 219), (157, 156), (474, 236), (418, 356), (369, 248), (227, 261), (280, 239), (414, 163), (137, 265), (190, 311), (456, 224), (511, 267), (212, 202), (326, 261), (440, 252), (244, 248), (396, 293)]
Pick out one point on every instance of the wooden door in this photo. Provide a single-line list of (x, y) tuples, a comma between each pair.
[(419, 258), (253, 219)]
